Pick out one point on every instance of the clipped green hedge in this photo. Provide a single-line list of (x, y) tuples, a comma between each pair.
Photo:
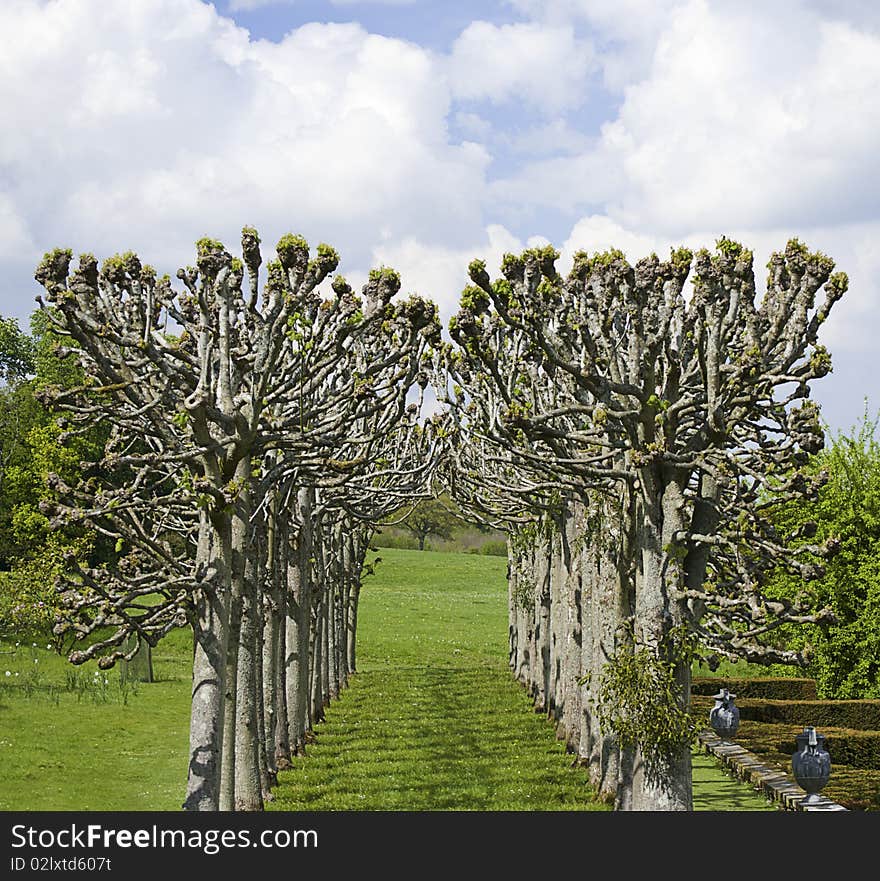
[(490, 548), (857, 789), (854, 715), (861, 715), (773, 688), (858, 749)]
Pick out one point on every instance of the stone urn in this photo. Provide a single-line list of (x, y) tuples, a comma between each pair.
[(724, 716), (811, 764)]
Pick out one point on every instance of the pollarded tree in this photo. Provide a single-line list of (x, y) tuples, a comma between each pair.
[(365, 452), (612, 376), (199, 386), (404, 463)]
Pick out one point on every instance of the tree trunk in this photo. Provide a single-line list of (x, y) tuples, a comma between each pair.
[(340, 615), (542, 630), (140, 667), (248, 789), (332, 684), (299, 601), (210, 634), (662, 781), (345, 605), (277, 741), (530, 613), (316, 684), (523, 599), (358, 554), (268, 778), (271, 607), (587, 581), (556, 635), (572, 660), (227, 772), (282, 726), (326, 645)]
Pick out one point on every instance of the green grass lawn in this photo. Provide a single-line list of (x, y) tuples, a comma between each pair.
[(432, 720), (71, 740)]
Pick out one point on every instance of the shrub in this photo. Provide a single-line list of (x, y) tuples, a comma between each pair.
[(771, 688), (492, 548)]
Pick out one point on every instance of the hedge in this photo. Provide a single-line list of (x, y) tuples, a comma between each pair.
[(858, 749), (775, 688)]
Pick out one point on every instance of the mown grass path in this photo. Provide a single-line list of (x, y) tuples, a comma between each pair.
[(433, 720)]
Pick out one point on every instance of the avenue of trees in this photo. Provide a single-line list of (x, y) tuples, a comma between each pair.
[(218, 454), (253, 435), (638, 442)]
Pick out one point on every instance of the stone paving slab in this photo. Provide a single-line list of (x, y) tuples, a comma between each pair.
[(774, 783)]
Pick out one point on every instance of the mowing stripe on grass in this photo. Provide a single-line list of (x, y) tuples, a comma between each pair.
[(435, 721)]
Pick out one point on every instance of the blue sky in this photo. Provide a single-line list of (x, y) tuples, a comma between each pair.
[(433, 25), (420, 135)]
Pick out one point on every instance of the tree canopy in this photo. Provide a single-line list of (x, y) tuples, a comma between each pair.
[(843, 654), (691, 414)]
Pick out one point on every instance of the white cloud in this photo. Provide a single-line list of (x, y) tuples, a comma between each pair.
[(373, 2), (250, 5), (148, 124), (596, 233), (473, 125), (14, 237), (864, 13), (564, 183), (728, 128), (627, 30), (539, 65), (556, 136), (440, 273)]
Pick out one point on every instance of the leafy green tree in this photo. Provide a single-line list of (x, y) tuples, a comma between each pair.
[(31, 449), (17, 351), (19, 412), (431, 517), (845, 653)]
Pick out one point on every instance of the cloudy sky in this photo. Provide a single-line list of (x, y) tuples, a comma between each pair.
[(420, 135)]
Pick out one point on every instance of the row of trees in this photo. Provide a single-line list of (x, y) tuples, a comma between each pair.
[(637, 444), (652, 454), (253, 436)]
